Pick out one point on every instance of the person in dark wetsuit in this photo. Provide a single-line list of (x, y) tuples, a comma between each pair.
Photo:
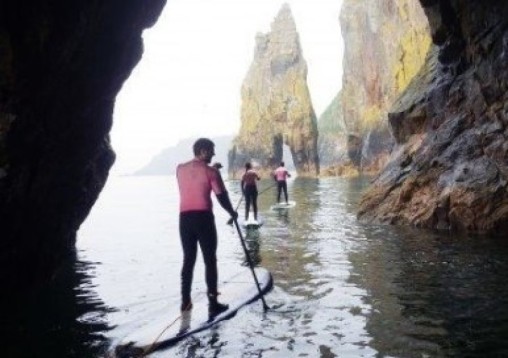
[(196, 180), (280, 174), (250, 190)]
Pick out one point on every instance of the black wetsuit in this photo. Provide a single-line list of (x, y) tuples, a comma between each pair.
[(282, 186), (198, 228), (251, 197)]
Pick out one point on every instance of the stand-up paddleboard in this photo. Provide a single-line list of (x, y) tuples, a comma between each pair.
[(283, 205), (173, 325), (250, 223)]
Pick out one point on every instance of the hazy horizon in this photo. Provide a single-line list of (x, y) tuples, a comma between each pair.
[(195, 59)]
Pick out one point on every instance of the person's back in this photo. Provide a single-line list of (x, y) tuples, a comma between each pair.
[(281, 173), (250, 177), (196, 181)]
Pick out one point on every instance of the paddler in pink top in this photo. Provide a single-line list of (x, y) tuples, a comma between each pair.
[(280, 174), (250, 190), (196, 181)]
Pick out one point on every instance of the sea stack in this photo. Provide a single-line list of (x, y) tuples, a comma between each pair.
[(276, 108)]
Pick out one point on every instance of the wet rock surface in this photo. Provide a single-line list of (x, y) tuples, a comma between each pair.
[(449, 167)]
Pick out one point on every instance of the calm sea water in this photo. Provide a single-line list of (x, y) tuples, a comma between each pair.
[(341, 288)]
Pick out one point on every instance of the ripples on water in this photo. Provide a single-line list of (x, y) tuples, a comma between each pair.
[(342, 288)]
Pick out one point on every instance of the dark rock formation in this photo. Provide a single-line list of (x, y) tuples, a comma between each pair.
[(449, 169), (276, 105), (62, 64)]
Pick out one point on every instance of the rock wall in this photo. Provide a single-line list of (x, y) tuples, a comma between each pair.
[(61, 66), (332, 130), (449, 168), (276, 106), (385, 44)]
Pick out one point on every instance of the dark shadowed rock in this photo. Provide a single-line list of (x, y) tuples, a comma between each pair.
[(61, 66)]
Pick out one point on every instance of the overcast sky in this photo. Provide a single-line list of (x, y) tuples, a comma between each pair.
[(196, 56)]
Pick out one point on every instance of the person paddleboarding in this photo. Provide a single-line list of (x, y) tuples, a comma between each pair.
[(250, 190), (280, 175), (196, 180)]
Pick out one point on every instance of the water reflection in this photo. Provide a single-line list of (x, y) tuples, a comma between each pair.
[(252, 243), (287, 236), (282, 216), (66, 319), (433, 294), (341, 288)]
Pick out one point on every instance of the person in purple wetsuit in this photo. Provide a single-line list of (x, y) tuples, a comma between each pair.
[(280, 174), (196, 181)]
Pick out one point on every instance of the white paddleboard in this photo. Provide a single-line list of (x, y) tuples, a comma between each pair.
[(172, 326), (250, 223), (283, 205)]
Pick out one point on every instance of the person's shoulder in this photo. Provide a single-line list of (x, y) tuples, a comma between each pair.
[(180, 165), (212, 170), (184, 164)]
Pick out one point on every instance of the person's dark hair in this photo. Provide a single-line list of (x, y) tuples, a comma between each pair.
[(202, 144), (281, 164), (248, 166)]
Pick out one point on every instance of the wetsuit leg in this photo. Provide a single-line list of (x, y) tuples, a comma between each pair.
[(207, 237), (285, 188), (279, 189), (189, 240), (247, 202), (255, 203)]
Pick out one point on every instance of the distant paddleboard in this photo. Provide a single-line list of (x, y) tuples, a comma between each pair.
[(252, 224), (172, 326), (283, 205)]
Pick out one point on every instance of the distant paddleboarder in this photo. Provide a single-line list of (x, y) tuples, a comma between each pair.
[(196, 181), (250, 190), (280, 175)]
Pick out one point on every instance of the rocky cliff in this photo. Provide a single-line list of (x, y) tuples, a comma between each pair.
[(333, 142), (331, 128), (61, 66), (385, 44), (449, 168), (276, 107)]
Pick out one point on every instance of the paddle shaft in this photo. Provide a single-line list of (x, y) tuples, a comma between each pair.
[(265, 189), (251, 264), (230, 220), (239, 202)]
